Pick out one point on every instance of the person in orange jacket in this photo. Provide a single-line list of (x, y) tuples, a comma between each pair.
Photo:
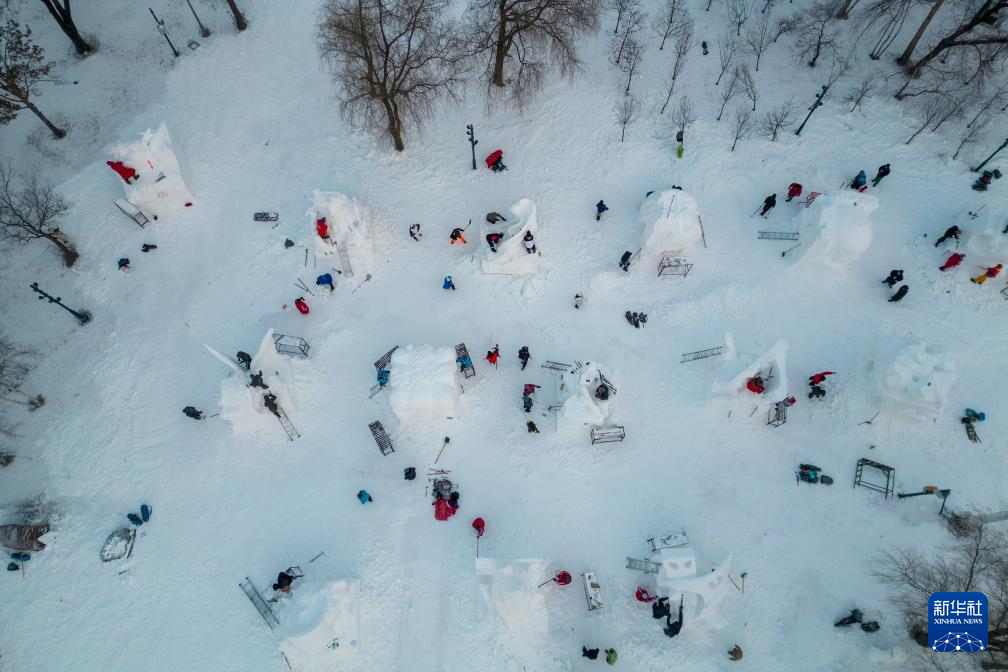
[(991, 272), (952, 261), (456, 235)]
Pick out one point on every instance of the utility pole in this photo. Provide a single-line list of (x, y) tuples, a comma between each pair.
[(1003, 145), (164, 31), (203, 30), (819, 98), (83, 316), (473, 142)]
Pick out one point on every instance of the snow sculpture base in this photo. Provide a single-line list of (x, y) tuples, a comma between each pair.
[(702, 594), (771, 366), (163, 173), (836, 230), (349, 246), (511, 257), (516, 604), (671, 221), (422, 387), (320, 624), (913, 376), (580, 407)]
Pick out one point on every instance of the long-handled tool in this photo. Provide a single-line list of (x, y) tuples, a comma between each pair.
[(443, 446)]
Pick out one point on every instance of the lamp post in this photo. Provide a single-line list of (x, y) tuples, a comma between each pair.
[(473, 142), (164, 31), (977, 169), (818, 101), (203, 30), (83, 316)]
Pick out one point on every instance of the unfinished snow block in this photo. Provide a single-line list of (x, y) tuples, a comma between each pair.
[(884, 469), (381, 438), (611, 434), (671, 223), (291, 345), (423, 389), (162, 177), (593, 591)]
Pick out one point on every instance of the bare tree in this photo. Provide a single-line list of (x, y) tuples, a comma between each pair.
[(60, 10), (708, 5), (991, 101), (15, 365), (519, 36), (759, 37), (979, 26), (22, 68), (393, 59), (30, 208), (632, 55), (839, 67), (239, 18), (971, 134), (633, 22), (907, 54), (748, 84), (739, 12), (683, 45), (816, 33), (743, 123), (732, 88), (934, 110), (728, 47), (785, 25), (767, 6), (683, 116), (863, 90), (665, 24), (626, 110), (621, 8), (889, 15), (777, 120), (978, 561), (844, 10)]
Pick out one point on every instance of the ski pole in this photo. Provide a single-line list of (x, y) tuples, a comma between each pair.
[(733, 583), (467, 225), (743, 580), (547, 581), (443, 446)]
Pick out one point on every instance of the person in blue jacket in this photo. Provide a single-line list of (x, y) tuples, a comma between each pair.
[(600, 208), (448, 284), (364, 497), (326, 279), (859, 181)]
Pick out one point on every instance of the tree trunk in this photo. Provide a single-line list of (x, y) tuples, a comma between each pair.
[(668, 97), (69, 252), (61, 12), (844, 11), (904, 58), (394, 124), (623, 134), (56, 131), (500, 53), (240, 23)]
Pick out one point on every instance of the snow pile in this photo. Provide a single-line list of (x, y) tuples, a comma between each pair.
[(915, 375), (985, 244), (771, 366), (702, 594), (516, 603), (163, 173), (348, 223), (242, 405), (511, 257), (422, 384), (579, 404), (836, 230), (319, 621), (671, 221)]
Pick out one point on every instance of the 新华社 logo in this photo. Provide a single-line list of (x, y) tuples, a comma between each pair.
[(957, 622)]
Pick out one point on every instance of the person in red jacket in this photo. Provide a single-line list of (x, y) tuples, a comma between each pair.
[(493, 355), (755, 385), (817, 378), (952, 261), (322, 228), (991, 272), (793, 191), (300, 304), (124, 171)]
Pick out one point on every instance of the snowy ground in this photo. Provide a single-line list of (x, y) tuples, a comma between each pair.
[(256, 116)]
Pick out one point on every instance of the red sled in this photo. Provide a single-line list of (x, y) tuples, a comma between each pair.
[(494, 158), (301, 306)]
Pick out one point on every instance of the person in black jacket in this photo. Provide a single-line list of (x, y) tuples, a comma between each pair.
[(660, 608), (768, 204), (900, 293), (895, 276), (244, 359), (191, 412), (590, 654), (673, 629)]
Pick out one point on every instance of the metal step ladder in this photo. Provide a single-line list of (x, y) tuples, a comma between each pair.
[(701, 354), (556, 367), (344, 259), (776, 235), (288, 426), (259, 603), (381, 438), (643, 565), (383, 361)]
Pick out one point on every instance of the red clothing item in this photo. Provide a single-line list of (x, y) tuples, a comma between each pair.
[(492, 159), (952, 261), (754, 386), (493, 357), (820, 377), (643, 595), (529, 388), (479, 525), (125, 172), (301, 306), (443, 510), (322, 228), (993, 271), (794, 190), (563, 579)]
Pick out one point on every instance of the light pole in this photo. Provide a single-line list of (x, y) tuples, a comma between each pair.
[(164, 31), (817, 103), (977, 169), (203, 30), (473, 142), (83, 316)]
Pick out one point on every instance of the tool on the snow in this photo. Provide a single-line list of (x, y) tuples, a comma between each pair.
[(809, 473), (443, 446), (886, 470), (929, 490), (265, 216)]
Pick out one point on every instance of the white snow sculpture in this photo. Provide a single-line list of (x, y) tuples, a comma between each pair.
[(511, 257), (320, 625), (349, 246), (422, 386), (836, 230), (916, 376), (703, 594), (580, 406), (771, 366), (671, 221), (985, 244), (516, 603), (242, 405), (163, 172)]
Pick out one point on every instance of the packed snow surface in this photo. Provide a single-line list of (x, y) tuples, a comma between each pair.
[(319, 623)]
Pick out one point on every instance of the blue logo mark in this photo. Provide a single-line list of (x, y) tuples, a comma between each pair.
[(957, 622)]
